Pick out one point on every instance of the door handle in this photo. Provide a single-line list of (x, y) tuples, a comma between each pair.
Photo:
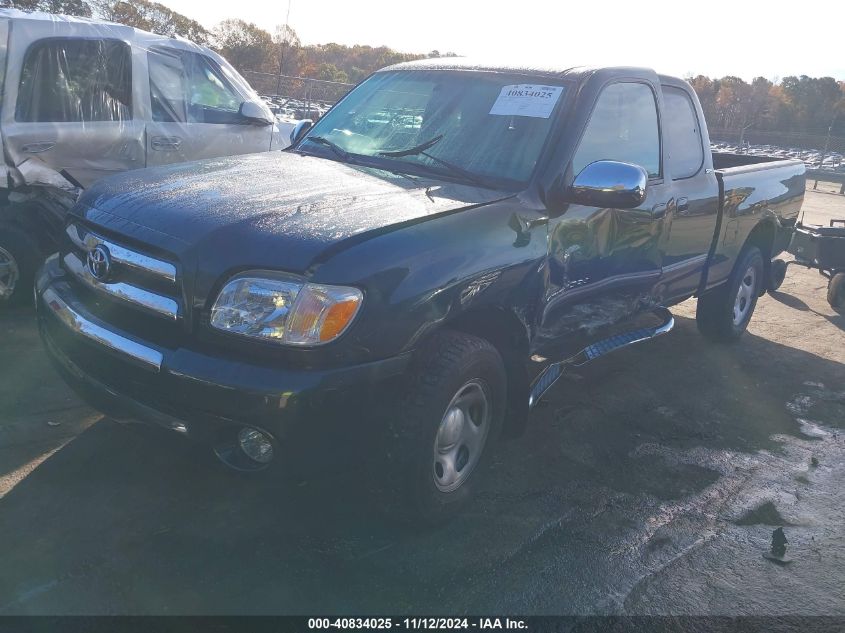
[(166, 143), (658, 210), (683, 205), (38, 147)]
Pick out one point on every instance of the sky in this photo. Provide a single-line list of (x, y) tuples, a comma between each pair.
[(747, 38)]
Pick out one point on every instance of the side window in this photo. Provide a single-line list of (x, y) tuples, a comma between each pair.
[(168, 95), (189, 87), (623, 127), (209, 89), (682, 133), (67, 80)]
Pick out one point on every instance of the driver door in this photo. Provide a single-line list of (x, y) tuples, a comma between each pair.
[(194, 110), (605, 263)]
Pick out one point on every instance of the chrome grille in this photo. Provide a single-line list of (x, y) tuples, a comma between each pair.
[(124, 260)]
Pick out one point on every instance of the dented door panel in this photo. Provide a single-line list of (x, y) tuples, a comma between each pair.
[(603, 265)]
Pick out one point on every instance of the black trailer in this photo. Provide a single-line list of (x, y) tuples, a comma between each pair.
[(823, 248)]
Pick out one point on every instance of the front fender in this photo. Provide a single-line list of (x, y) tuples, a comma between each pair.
[(428, 275)]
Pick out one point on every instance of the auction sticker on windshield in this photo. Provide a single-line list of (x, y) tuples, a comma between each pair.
[(527, 100)]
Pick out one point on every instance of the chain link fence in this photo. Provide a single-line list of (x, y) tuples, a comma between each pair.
[(297, 97), (786, 140)]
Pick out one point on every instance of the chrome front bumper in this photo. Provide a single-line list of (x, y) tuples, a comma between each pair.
[(195, 390), (89, 328), (75, 319)]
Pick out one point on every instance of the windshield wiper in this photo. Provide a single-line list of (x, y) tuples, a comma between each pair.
[(463, 173), (420, 150), (416, 149), (337, 149)]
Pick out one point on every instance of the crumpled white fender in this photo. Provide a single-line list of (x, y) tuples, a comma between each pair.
[(34, 172)]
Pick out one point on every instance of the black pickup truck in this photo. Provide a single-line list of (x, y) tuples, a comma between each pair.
[(406, 280)]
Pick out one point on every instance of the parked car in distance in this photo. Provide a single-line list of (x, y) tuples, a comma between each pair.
[(407, 280), (83, 99)]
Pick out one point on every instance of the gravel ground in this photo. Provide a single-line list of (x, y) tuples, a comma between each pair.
[(649, 483)]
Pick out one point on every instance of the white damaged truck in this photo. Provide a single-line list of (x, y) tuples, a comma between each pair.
[(82, 99)]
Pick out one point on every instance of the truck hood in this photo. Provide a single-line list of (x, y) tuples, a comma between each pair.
[(275, 210)]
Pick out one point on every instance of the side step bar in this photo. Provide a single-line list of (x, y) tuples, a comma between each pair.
[(598, 349)]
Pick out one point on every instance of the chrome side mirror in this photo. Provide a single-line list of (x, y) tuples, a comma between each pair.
[(609, 184), (255, 113), (299, 130)]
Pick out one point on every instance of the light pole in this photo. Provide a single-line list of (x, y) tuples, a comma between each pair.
[(282, 51), (836, 114), (742, 136)]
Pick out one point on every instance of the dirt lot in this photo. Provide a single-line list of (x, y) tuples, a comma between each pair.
[(650, 483)]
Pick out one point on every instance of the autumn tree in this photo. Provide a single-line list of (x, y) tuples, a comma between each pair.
[(141, 14), (795, 104), (760, 106), (80, 8), (288, 50), (706, 90), (798, 105), (245, 45), (151, 16)]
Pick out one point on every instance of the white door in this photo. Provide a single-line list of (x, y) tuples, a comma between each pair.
[(194, 110)]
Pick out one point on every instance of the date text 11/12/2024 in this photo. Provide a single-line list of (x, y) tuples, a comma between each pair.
[(410, 624)]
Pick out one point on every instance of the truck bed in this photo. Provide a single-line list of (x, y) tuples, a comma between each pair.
[(753, 189), (726, 160)]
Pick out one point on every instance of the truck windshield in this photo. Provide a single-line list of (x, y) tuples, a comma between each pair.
[(481, 127)]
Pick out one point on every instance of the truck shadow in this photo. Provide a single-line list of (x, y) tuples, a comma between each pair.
[(117, 522), (789, 300), (794, 302)]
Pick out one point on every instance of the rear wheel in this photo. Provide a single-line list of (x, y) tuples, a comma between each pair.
[(777, 274), (723, 313), (441, 433), (836, 292)]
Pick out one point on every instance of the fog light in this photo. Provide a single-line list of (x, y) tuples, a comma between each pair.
[(256, 445)]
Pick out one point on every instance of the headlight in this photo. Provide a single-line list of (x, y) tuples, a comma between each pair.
[(284, 311)]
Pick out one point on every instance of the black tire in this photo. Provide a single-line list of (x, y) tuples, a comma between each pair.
[(449, 362), (22, 253), (715, 314), (777, 273), (836, 292)]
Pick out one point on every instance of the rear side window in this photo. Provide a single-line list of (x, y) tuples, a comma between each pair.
[(187, 87), (75, 80), (682, 133), (623, 127)]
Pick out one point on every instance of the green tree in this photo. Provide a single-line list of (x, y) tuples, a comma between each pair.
[(330, 72)]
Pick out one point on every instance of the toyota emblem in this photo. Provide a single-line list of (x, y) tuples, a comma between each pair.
[(99, 262)]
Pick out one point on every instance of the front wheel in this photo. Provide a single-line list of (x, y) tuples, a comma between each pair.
[(441, 433), (19, 259), (836, 292), (723, 314)]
